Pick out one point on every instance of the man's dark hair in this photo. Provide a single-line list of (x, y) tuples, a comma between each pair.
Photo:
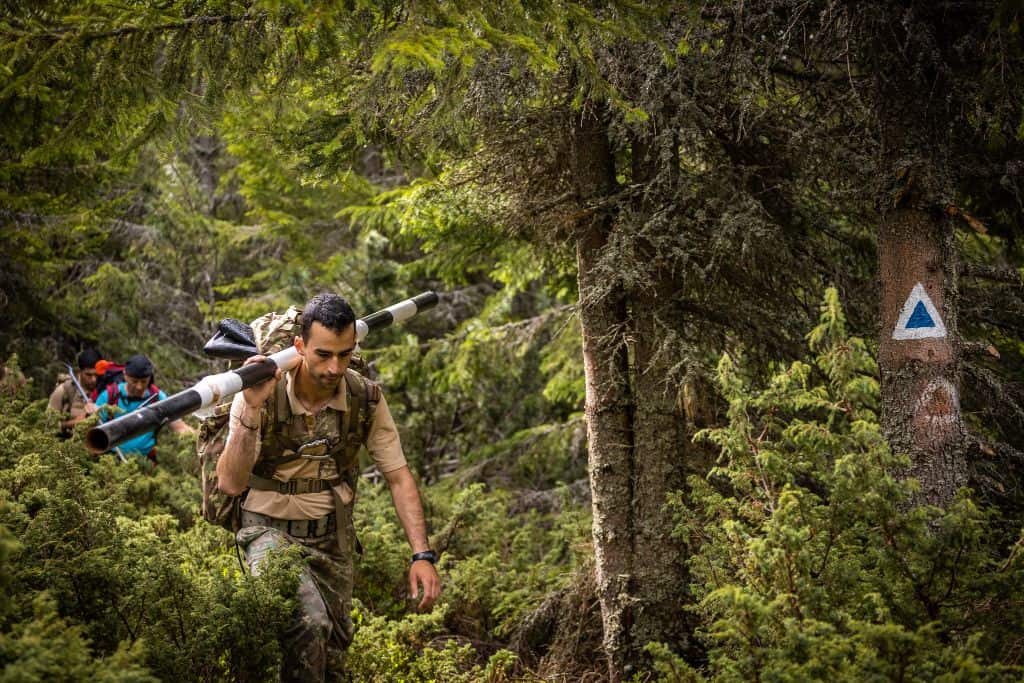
[(88, 358), (328, 309)]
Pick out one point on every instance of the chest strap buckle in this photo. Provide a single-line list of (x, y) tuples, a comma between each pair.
[(316, 450)]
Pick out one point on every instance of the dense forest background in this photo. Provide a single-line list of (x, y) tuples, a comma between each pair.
[(663, 427)]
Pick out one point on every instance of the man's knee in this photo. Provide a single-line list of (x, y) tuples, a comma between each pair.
[(305, 644), (316, 620)]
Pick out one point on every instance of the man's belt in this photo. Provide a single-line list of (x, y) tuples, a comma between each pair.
[(292, 486), (299, 528)]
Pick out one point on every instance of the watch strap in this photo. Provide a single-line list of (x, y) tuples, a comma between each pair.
[(428, 555)]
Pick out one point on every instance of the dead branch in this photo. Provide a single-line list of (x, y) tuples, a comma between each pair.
[(552, 500), (980, 348), (976, 225), (994, 273)]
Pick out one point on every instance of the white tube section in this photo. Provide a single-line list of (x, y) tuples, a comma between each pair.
[(213, 388), (287, 359), (403, 310), (361, 330)]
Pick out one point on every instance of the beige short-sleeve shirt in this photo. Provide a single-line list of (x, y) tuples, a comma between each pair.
[(57, 398), (383, 444)]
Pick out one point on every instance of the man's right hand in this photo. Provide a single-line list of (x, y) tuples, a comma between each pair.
[(256, 396)]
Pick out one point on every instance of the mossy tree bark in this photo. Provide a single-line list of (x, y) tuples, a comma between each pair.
[(637, 429), (603, 318), (662, 446)]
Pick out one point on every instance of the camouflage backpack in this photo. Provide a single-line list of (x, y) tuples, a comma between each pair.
[(274, 332)]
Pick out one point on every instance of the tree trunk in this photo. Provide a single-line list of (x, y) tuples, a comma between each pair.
[(661, 444), (919, 348), (608, 394), (660, 455), (918, 351)]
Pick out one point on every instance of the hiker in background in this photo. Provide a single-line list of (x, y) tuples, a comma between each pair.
[(136, 391), (12, 379), (70, 403)]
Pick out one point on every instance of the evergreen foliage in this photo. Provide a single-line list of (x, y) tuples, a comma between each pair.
[(109, 584), (164, 165), (808, 563)]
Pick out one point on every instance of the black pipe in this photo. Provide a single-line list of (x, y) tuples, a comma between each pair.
[(383, 318), (377, 320), (425, 300), (102, 438)]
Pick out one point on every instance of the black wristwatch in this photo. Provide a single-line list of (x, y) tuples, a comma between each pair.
[(428, 555)]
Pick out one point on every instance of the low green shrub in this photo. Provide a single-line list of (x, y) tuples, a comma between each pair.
[(808, 561), (104, 580)]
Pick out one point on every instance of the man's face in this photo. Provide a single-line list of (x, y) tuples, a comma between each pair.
[(87, 378), (326, 354), (135, 387)]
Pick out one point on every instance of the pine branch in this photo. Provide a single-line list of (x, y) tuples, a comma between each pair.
[(24, 218), (809, 75), (64, 32), (977, 171), (996, 388)]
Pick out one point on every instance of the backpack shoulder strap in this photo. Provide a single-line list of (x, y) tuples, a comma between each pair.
[(370, 412), (68, 397), (347, 457), (113, 389), (280, 406), (363, 396), (345, 417), (355, 385), (276, 411)]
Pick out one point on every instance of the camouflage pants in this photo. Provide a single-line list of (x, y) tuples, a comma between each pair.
[(314, 646)]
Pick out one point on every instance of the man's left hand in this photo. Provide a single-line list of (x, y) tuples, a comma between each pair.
[(423, 574)]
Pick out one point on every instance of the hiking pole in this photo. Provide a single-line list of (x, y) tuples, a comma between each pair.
[(81, 391), (234, 340)]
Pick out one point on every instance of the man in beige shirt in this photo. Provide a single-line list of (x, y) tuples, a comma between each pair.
[(293, 442), (67, 402)]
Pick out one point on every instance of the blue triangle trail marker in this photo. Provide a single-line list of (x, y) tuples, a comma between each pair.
[(919, 319)]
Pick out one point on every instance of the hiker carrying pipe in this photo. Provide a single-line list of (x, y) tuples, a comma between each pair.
[(234, 340), (289, 469)]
